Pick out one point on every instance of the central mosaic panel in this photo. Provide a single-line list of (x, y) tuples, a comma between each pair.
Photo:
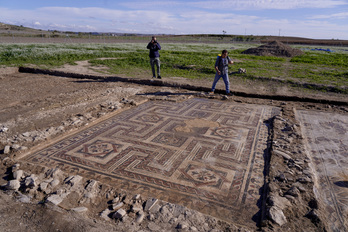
[(205, 154)]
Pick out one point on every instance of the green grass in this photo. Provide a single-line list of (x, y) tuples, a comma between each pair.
[(184, 60)]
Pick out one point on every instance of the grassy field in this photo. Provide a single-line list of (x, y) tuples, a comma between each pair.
[(189, 60)]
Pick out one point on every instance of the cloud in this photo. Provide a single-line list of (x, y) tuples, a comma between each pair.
[(342, 15), (268, 4), (230, 5)]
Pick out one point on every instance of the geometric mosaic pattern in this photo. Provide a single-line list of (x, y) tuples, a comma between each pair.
[(327, 141), (205, 154)]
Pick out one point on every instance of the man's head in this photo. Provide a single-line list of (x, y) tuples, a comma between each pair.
[(224, 53), (154, 38)]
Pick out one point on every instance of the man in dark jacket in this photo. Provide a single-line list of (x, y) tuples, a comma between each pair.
[(221, 68), (154, 55)]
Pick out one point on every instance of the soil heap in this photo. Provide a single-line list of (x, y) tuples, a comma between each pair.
[(275, 48)]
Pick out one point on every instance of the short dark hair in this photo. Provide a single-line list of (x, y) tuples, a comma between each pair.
[(224, 51)]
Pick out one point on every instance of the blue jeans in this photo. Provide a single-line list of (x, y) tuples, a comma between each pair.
[(224, 78), (153, 62)]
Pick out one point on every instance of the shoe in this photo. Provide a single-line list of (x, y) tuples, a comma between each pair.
[(211, 92), (153, 77), (159, 77), (229, 94)]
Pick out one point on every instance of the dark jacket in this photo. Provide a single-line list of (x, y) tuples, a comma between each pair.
[(154, 49), (222, 64)]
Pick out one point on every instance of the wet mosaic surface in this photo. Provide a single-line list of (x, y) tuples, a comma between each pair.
[(207, 155), (327, 137)]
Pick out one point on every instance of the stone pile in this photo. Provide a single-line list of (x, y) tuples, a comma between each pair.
[(129, 212), (15, 143), (291, 183)]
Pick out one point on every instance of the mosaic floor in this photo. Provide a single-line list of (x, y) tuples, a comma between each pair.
[(203, 154), (327, 137)]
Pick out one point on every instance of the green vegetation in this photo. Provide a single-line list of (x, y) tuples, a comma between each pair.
[(187, 60)]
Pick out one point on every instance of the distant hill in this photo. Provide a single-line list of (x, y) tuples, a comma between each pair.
[(18, 31), (8, 27)]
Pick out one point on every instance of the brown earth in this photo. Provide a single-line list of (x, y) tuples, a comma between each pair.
[(52, 106), (275, 48)]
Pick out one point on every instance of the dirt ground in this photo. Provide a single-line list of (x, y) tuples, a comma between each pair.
[(44, 107)]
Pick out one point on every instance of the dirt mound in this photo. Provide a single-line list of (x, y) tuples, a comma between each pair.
[(274, 48)]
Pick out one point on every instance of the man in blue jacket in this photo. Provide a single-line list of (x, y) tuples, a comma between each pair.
[(221, 68), (154, 55)]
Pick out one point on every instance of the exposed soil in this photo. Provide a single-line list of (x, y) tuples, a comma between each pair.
[(275, 48), (37, 108)]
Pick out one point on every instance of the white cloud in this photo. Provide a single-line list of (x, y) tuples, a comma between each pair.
[(228, 5), (342, 15), (268, 4)]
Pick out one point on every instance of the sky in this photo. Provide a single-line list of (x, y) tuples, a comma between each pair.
[(316, 19)]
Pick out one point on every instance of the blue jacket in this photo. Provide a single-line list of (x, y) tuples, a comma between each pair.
[(222, 64), (154, 49)]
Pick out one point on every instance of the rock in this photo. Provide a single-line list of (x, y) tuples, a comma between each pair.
[(13, 185), (30, 181), (7, 149), (43, 186), (279, 201), (91, 185), (136, 209), (3, 129), (156, 208), (167, 210), (80, 209), (299, 186), (290, 198), (277, 215), (241, 70), (182, 226), (283, 154), (140, 217), (313, 215), (73, 180), (15, 167), (151, 217), (117, 206), (281, 177), (293, 191), (116, 200), (15, 147), (304, 180), (105, 214), (26, 134), (17, 175), (54, 199), (54, 173), (150, 203), (137, 197), (54, 183), (24, 198), (119, 214)]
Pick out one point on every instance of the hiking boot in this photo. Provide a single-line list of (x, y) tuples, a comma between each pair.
[(159, 77)]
